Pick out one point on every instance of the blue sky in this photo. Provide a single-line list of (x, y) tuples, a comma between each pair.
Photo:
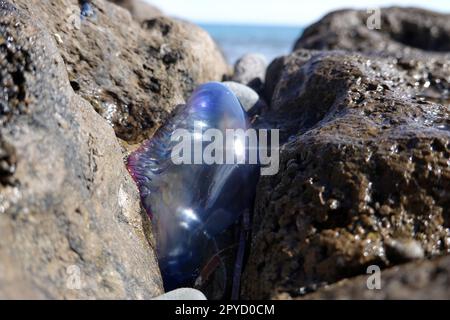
[(280, 12)]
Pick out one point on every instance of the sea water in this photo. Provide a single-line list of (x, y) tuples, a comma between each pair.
[(237, 40)]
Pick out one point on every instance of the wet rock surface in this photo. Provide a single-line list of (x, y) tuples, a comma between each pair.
[(296, 78), (364, 172), (424, 280), (132, 74), (70, 221), (400, 32)]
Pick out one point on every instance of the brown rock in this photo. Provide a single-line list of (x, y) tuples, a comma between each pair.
[(424, 280), (366, 164), (402, 31), (273, 74), (364, 178), (70, 221), (133, 76)]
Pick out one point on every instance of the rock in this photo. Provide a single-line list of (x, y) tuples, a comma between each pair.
[(423, 79), (182, 294), (424, 280), (273, 74), (132, 75), (366, 162), (251, 71), (139, 9), (248, 97), (70, 221), (403, 31)]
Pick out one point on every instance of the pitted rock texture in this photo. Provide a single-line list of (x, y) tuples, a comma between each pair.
[(133, 75), (400, 31), (295, 79), (364, 176), (71, 226), (423, 280)]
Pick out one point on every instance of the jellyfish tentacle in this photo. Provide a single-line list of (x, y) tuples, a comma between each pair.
[(244, 232)]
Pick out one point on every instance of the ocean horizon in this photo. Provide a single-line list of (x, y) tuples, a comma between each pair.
[(235, 40)]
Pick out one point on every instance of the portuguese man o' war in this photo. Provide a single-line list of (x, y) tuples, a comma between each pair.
[(193, 206)]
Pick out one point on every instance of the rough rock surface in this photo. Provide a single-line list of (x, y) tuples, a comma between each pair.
[(70, 221), (133, 75), (364, 177), (139, 9), (424, 280), (401, 31)]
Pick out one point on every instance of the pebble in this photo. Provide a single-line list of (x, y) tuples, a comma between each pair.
[(182, 294), (250, 70), (246, 95), (404, 250)]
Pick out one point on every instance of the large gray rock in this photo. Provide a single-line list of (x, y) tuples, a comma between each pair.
[(133, 75), (424, 280), (70, 221), (364, 176), (403, 31)]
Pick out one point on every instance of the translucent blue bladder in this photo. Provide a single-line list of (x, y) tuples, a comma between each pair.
[(193, 205)]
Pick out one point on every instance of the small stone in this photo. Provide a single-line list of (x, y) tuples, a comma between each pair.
[(58, 38), (246, 95), (402, 250), (250, 70), (182, 294)]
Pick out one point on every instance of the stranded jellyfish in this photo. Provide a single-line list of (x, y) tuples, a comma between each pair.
[(193, 198)]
